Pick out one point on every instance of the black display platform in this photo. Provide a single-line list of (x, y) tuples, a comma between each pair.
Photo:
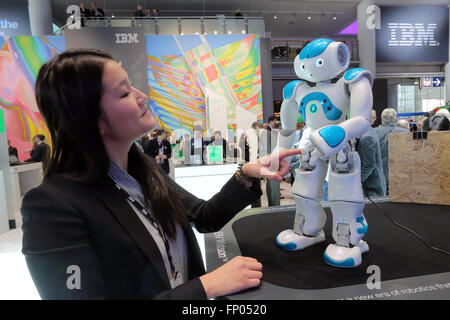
[(398, 253), (409, 269)]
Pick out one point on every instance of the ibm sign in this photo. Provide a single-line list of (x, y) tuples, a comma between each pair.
[(413, 34)]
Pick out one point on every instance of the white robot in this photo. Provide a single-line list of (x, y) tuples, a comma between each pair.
[(324, 108)]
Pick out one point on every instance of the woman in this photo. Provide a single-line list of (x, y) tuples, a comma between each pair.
[(160, 150), (107, 223)]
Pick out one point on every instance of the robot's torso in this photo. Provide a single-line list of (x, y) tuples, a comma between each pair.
[(325, 104)]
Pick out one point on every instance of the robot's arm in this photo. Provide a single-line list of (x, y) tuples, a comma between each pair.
[(331, 139), (289, 115)]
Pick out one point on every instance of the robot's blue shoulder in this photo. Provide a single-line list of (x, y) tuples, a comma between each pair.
[(353, 75), (289, 89)]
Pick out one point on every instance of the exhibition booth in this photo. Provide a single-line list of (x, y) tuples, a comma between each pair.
[(219, 82)]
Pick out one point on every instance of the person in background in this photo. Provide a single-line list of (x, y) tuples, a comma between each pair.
[(198, 145), (403, 123), (244, 148), (218, 140), (12, 153), (160, 150), (238, 12), (140, 11), (272, 120), (40, 151), (176, 145), (144, 141), (419, 123), (149, 13), (436, 123), (153, 134), (155, 12), (84, 13), (388, 121), (373, 117), (107, 208), (97, 12), (372, 176), (268, 139)]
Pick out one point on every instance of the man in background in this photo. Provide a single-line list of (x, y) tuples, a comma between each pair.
[(40, 151), (12, 153), (372, 176), (403, 123), (198, 145), (388, 125), (373, 117), (268, 139), (218, 140)]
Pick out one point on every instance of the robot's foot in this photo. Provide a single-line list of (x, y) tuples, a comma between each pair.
[(344, 257), (291, 241)]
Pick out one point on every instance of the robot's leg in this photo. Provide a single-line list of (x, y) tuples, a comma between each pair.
[(310, 217), (347, 204)]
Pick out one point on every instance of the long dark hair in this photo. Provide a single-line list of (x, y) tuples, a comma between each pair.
[(68, 94)]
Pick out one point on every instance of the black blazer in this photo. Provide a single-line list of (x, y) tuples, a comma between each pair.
[(68, 223), (40, 153), (12, 151), (152, 149)]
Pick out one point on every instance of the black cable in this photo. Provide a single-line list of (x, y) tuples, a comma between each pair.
[(403, 227)]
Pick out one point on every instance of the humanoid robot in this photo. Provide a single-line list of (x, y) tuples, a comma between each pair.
[(324, 108)]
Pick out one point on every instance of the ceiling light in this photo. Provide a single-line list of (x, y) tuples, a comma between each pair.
[(275, 16), (309, 16), (334, 17), (243, 31), (229, 32), (215, 32)]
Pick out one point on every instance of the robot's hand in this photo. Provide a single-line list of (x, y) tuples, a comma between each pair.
[(329, 140), (309, 156)]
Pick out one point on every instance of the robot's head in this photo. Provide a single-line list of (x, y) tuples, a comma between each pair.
[(321, 59)]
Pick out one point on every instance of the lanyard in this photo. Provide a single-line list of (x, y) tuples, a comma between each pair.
[(155, 224)]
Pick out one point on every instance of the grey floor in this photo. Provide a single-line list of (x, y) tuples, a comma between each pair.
[(15, 280)]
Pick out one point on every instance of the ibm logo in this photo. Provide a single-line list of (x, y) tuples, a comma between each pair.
[(408, 34), (127, 38)]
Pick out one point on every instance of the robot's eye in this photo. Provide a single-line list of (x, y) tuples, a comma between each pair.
[(319, 62), (302, 66)]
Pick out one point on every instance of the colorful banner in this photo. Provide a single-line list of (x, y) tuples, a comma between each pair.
[(20, 60), (185, 71)]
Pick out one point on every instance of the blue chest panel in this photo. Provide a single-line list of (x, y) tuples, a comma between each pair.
[(314, 48), (329, 109)]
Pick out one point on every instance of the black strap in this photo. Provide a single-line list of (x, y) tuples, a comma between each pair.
[(163, 235)]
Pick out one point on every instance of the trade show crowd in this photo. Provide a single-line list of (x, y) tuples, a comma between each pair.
[(96, 12), (261, 139)]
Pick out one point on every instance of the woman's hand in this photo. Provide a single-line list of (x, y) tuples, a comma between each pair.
[(273, 166), (238, 274)]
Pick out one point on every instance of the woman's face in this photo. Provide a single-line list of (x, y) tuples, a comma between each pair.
[(125, 115)]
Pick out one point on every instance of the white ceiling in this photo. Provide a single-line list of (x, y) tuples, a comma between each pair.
[(291, 19)]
